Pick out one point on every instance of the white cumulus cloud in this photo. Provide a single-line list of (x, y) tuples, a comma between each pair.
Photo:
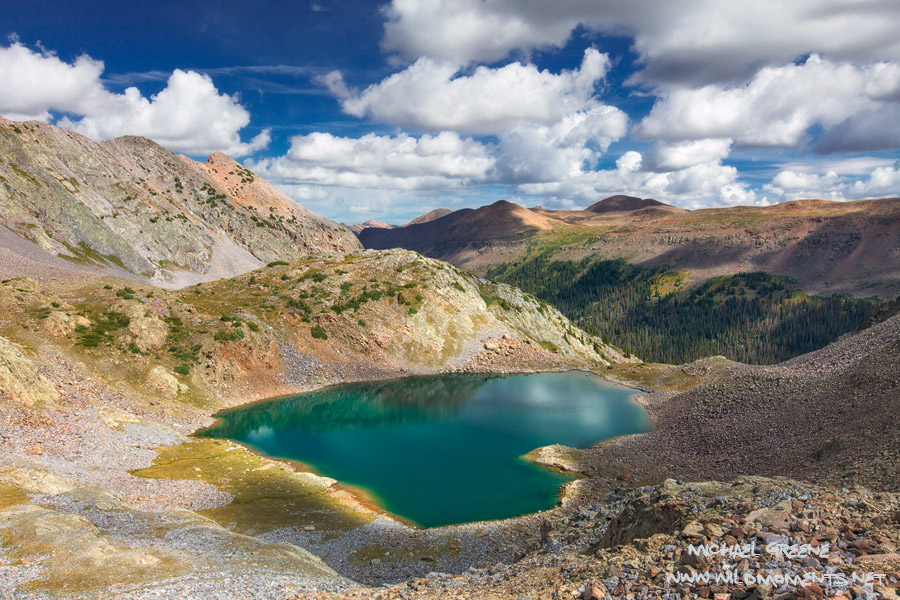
[(400, 162), (688, 42), (776, 108), (679, 155), (695, 186), (566, 149), (34, 83), (433, 95), (189, 115), (847, 184)]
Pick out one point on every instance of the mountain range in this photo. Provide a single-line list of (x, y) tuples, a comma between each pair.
[(827, 246)]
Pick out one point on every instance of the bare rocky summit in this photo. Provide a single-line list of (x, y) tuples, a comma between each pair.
[(370, 224), (431, 216), (131, 206)]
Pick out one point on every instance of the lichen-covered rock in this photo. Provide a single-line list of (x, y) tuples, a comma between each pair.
[(115, 418), (161, 381), (149, 333), (59, 324), (20, 380), (36, 482)]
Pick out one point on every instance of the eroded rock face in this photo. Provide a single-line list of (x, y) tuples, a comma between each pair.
[(20, 380), (130, 204)]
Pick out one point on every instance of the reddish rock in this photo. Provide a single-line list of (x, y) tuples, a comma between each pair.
[(593, 591)]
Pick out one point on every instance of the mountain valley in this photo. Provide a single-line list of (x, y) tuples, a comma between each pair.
[(142, 293)]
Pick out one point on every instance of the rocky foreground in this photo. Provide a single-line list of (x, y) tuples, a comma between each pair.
[(750, 538)]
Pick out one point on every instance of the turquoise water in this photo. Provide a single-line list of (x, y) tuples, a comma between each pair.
[(445, 449)]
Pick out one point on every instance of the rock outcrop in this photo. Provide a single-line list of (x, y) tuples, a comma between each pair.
[(162, 382), (149, 333), (20, 380)]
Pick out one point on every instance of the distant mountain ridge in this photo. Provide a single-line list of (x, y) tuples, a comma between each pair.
[(622, 203), (132, 206), (827, 246), (370, 224), (498, 221), (431, 216)]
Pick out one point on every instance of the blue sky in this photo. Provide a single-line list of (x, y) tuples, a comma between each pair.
[(368, 110)]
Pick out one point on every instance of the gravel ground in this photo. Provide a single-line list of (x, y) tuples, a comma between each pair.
[(98, 446), (221, 585), (387, 551)]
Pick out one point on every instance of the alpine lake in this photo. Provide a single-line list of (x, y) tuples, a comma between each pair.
[(440, 450)]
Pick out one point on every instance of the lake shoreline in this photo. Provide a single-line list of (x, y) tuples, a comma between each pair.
[(366, 497)]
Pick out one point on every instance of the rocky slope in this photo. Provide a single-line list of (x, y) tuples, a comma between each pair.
[(832, 415), (829, 247), (636, 544), (363, 315), (131, 206)]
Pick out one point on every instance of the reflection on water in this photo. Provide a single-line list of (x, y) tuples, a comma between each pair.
[(371, 405), (443, 449)]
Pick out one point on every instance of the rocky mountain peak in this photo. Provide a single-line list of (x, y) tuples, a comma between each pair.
[(132, 206)]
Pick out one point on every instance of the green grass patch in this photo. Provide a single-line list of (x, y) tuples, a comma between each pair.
[(100, 333), (225, 335)]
